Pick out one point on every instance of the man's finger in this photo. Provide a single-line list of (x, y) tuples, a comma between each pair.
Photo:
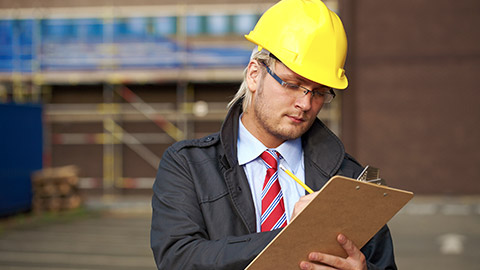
[(328, 260), (348, 246), (355, 258)]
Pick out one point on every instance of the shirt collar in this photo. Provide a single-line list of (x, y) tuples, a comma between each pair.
[(249, 148), (292, 152)]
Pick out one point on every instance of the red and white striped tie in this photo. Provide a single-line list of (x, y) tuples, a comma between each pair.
[(273, 208)]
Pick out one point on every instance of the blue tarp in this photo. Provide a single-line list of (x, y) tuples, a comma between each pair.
[(21, 146), (124, 43)]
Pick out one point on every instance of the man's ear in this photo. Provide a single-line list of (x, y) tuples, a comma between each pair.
[(253, 75)]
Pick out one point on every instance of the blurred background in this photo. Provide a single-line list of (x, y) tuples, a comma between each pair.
[(93, 92)]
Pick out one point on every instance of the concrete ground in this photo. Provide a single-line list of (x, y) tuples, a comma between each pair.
[(438, 233), (429, 233)]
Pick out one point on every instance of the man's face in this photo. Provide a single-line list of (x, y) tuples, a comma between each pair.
[(275, 115)]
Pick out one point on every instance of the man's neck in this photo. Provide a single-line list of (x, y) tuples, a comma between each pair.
[(268, 140)]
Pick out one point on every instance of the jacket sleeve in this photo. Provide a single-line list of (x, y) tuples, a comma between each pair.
[(179, 237), (379, 251)]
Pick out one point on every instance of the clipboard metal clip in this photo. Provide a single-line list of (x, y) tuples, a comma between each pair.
[(371, 175)]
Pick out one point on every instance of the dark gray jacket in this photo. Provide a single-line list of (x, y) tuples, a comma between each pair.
[(203, 212)]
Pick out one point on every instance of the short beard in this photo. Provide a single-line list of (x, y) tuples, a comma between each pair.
[(260, 107)]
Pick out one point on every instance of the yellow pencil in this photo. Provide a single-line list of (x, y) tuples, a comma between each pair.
[(296, 179)]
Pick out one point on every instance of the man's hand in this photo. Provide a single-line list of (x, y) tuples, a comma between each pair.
[(302, 202), (355, 260)]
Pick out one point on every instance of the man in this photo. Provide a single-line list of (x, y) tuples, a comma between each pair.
[(212, 202)]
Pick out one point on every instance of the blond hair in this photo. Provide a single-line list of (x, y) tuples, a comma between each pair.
[(243, 92)]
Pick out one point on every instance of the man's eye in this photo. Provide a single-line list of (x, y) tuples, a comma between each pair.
[(291, 86), (319, 93)]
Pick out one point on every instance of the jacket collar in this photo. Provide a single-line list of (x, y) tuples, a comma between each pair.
[(323, 154), (229, 133)]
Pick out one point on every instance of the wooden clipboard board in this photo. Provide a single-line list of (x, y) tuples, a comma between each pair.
[(354, 208)]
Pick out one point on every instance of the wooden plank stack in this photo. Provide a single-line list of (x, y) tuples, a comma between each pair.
[(56, 189)]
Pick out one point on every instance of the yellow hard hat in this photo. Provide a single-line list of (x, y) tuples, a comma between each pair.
[(307, 37)]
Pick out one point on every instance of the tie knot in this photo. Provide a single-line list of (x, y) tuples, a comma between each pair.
[(270, 158)]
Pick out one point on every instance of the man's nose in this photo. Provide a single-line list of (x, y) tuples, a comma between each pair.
[(304, 102)]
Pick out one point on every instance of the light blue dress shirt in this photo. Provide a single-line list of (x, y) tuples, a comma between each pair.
[(249, 150)]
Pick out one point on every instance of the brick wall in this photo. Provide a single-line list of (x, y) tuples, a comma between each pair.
[(413, 106)]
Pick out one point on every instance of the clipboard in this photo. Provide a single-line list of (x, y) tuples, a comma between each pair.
[(344, 205)]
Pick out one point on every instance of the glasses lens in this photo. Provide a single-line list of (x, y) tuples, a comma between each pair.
[(328, 98), (298, 91)]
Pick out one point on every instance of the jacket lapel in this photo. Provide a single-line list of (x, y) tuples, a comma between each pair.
[(241, 196), (323, 155), (235, 177)]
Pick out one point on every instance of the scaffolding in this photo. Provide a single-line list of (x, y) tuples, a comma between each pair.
[(177, 45)]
